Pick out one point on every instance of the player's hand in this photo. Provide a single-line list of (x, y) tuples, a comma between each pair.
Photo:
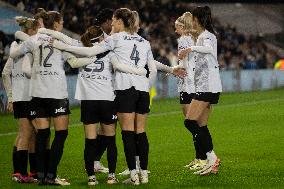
[(183, 53), (10, 107), (179, 72)]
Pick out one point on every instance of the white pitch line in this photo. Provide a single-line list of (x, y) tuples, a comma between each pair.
[(179, 112)]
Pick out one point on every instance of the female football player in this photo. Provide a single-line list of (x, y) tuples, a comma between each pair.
[(207, 85)]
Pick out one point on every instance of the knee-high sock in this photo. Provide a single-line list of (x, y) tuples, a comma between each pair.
[(193, 127), (128, 138), (41, 140), (101, 147), (23, 161), (32, 161), (91, 146), (206, 136), (56, 152), (198, 136), (15, 160), (111, 153), (142, 149)]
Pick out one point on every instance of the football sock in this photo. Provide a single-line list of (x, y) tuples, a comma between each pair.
[(41, 141), (128, 138), (15, 160), (56, 152), (204, 131), (23, 161), (193, 127), (32, 161), (89, 155), (111, 153), (142, 149)]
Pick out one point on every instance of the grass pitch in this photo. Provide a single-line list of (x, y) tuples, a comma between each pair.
[(248, 137)]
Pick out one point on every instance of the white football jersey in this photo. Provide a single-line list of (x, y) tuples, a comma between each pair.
[(187, 84), (207, 76), (95, 81), (48, 78), (132, 50), (20, 83)]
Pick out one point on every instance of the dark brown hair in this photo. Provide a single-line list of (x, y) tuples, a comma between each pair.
[(92, 33), (203, 14), (50, 17)]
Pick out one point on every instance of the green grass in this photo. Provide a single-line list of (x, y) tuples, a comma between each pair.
[(248, 136)]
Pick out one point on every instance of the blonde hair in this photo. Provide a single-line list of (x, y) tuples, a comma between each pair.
[(135, 27), (26, 23), (187, 21)]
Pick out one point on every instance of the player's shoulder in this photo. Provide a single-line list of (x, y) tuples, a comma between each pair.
[(208, 35)]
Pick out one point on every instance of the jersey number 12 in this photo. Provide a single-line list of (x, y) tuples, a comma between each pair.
[(41, 48)]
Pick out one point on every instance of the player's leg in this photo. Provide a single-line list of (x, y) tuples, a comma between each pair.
[(205, 136), (59, 110), (98, 166), (90, 151), (142, 145), (126, 105), (108, 120)]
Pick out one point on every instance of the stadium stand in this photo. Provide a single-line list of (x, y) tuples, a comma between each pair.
[(236, 50)]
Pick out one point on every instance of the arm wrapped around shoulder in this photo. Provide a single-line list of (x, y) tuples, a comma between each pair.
[(21, 35), (126, 68), (80, 62), (60, 36)]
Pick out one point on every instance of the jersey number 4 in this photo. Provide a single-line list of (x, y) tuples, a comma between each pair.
[(50, 52), (135, 55)]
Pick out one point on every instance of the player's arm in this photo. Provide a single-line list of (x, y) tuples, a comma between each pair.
[(75, 62), (176, 70), (163, 67), (60, 36), (106, 45), (21, 36), (27, 64), (7, 79), (152, 67), (207, 48), (126, 68), (17, 50)]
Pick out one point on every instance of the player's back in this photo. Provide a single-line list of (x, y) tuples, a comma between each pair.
[(133, 50), (48, 75)]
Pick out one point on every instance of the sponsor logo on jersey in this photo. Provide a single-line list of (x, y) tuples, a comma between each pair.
[(18, 75), (45, 72), (60, 110)]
